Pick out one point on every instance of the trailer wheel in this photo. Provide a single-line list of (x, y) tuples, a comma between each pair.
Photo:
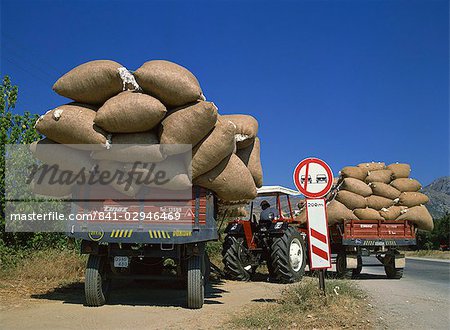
[(96, 284), (235, 261), (358, 269), (389, 268), (195, 282), (288, 257), (341, 266)]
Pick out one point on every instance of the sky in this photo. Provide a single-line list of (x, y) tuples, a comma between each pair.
[(346, 81)]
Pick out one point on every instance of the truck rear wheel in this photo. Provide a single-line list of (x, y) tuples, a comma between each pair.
[(235, 261), (96, 284), (341, 266), (358, 269), (195, 282), (389, 267), (288, 257)]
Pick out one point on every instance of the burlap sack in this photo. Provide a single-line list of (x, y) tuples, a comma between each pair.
[(379, 176), (130, 112), (67, 159), (411, 199), (217, 145), (378, 202), (188, 125), (337, 212), (49, 185), (418, 215), (171, 83), (251, 158), (246, 129), (384, 190), (351, 200), (132, 147), (392, 212), (171, 174), (93, 82), (406, 185), (372, 166), (353, 172), (367, 214), (72, 124), (399, 170), (356, 186), (127, 187), (230, 180)]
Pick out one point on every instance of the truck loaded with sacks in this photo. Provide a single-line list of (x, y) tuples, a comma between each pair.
[(173, 159), (374, 209)]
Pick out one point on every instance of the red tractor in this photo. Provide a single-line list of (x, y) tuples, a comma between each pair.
[(272, 237)]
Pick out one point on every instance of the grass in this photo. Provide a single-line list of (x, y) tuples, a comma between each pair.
[(302, 305), (40, 271), (434, 254)]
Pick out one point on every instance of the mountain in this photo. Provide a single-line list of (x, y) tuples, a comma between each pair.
[(439, 193)]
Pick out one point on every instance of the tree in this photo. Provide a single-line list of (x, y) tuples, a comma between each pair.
[(442, 231), (14, 129)]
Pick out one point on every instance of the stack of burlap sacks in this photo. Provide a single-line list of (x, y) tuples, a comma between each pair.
[(373, 191), (126, 117)]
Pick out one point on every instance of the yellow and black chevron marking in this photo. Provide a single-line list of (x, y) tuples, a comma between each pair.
[(159, 234), (122, 233)]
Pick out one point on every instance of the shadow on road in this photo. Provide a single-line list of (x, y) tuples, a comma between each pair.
[(362, 276), (135, 293)]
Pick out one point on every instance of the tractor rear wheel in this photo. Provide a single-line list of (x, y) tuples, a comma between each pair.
[(288, 257), (236, 261), (96, 285)]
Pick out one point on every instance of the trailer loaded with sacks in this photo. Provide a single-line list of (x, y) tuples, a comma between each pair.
[(120, 120), (374, 209)]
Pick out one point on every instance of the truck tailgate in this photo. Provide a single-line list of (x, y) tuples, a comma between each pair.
[(377, 232)]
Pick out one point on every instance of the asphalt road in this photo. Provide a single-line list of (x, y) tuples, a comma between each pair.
[(420, 300)]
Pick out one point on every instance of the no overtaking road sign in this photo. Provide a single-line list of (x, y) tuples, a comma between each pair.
[(314, 178)]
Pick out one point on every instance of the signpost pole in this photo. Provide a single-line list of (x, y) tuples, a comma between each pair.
[(322, 280)]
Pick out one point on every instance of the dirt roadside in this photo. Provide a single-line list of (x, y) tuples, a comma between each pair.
[(138, 307)]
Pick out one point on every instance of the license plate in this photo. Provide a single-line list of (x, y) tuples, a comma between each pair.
[(120, 262)]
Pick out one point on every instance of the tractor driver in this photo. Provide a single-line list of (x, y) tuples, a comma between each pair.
[(268, 213)]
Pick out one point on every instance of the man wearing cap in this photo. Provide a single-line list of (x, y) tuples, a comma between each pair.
[(266, 211)]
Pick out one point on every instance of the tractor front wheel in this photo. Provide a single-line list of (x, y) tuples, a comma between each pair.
[(288, 257), (236, 261)]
